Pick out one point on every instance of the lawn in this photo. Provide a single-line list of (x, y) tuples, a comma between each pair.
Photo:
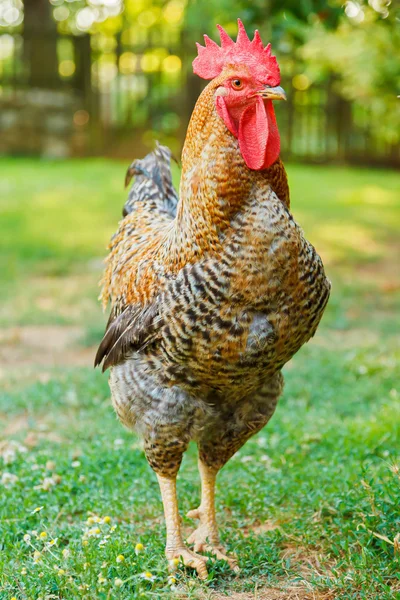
[(310, 505)]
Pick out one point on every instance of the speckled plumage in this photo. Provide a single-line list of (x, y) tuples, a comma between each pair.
[(211, 295)]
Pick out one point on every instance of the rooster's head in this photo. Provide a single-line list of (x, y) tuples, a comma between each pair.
[(247, 78)]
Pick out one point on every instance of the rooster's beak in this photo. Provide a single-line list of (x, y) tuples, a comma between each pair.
[(272, 93)]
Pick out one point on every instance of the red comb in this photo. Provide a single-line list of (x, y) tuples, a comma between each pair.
[(212, 58)]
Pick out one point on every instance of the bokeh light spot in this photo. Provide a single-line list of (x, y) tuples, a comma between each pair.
[(12, 16), (354, 11), (61, 13), (85, 19), (127, 63), (173, 12), (147, 18), (150, 62), (301, 82), (81, 118), (6, 46), (66, 68), (172, 64)]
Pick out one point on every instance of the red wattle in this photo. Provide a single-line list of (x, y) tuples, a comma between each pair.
[(223, 112), (256, 130), (273, 148), (253, 134)]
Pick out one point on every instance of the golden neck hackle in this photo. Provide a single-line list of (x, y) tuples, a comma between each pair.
[(215, 185)]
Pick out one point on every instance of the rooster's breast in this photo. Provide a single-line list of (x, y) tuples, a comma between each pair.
[(232, 321)]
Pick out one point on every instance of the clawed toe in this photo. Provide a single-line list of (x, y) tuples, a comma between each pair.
[(204, 540), (193, 514), (189, 559), (220, 553)]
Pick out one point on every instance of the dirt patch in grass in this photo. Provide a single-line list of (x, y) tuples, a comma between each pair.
[(42, 429), (309, 564), (40, 338), (25, 349), (262, 593), (383, 273), (258, 528), (345, 339)]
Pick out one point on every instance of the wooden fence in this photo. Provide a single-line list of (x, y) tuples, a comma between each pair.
[(133, 91)]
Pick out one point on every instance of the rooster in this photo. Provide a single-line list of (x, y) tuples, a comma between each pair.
[(212, 292)]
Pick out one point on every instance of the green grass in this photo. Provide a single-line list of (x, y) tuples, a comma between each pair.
[(310, 505)]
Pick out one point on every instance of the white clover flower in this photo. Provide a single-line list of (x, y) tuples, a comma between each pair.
[(173, 564), (118, 582), (9, 456), (52, 542), (27, 538), (37, 509), (9, 451), (48, 483), (9, 479), (139, 548), (148, 576)]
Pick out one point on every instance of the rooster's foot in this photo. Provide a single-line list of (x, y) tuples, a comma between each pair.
[(205, 539), (189, 559)]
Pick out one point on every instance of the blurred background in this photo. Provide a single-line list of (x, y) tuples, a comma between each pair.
[(85, 87), (81, 77)]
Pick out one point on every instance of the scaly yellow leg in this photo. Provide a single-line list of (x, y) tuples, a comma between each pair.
[(175, 547), (206, 537)]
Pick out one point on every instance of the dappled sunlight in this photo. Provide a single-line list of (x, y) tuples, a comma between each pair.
[(372, 194), (342, 240), (81, 226)]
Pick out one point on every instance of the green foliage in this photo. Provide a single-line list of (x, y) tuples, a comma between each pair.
[(359, 53), (323, 476), (142, 52)]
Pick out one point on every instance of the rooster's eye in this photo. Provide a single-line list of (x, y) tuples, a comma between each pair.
[(237, 84)]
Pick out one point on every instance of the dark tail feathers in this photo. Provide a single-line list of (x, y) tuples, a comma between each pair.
[(153, 182)]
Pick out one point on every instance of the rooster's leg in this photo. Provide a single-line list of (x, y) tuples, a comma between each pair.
[(206, 537), (175, 547)]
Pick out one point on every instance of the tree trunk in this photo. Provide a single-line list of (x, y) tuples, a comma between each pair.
[(40, 43)]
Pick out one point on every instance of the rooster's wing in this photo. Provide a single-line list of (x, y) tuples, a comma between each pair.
[(151, 205)]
